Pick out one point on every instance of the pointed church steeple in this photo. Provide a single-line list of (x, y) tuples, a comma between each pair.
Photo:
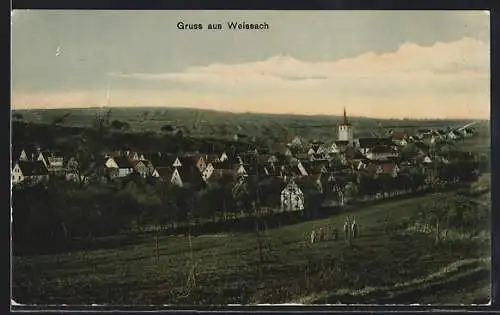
[(346, 122)]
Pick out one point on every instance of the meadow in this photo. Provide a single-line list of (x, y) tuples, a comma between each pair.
[(386, 264)]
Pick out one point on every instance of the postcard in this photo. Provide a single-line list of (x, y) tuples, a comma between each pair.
[(250, 158)]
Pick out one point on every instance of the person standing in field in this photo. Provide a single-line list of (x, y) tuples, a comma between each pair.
[(313, 236), (347, 229), (354, 228)]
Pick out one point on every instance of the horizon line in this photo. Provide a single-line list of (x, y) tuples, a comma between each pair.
[(245, 112)]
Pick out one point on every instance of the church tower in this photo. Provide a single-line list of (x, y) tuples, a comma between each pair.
[(345, 130)]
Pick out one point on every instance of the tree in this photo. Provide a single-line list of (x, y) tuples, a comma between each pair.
[(83, 161), (351, 190), (17, 116), (120, 125), (436, 214), (61, 119), (102, 121), (386, 183), (167, 128)]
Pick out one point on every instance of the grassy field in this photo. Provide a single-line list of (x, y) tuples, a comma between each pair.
[(224, 124), (385, 265)]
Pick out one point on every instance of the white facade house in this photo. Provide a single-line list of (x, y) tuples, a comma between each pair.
[(381, 153), (119, 167), (141, 168), (292, 198), (24, 156), (176, 179), (333, 148), (17, 174), (155, 173), (207, 172), (177, 163), (52, 162), (241, 170), (322, 150), (223, 157), (302, 169), (29, 171), (452, 135)]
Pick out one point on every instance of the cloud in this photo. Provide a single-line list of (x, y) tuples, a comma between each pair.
[(410, 69), (440, 81)]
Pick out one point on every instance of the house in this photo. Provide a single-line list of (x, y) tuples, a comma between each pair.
[(131, 155), (467, 132), (187, 177), (163, 173), (366, 144), (322, 182), (222, 168), (400, 138), (141, 167), (426, 159), (240, 170), (383, 168), (29, 171), (161, 160), (341, 145), (381, 153), (423, 131), (119, 167), (190, 160), (54, 163), (360, 165), (209, 158), (294, 169), (333, 149), (316, 167), (223, 157), (26, 153), (296, 142), (250, 158), (454, 135), (301, 168), (322, 149), (292, 197), (353, 154), (207, 172), (177, 162)]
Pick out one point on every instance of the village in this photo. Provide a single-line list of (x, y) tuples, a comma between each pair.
[(348, 168)]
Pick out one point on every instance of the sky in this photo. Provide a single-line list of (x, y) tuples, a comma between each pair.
[(388, 64)]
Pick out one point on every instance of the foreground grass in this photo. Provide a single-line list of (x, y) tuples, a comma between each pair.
[(383, 265)]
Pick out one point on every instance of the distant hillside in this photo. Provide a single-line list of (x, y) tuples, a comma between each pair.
[(198, 122)]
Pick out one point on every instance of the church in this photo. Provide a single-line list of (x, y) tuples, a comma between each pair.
[(345, 136), (377, 148)]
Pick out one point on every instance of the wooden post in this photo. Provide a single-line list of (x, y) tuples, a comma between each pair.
[(157, 249), (193, 267), (259, 242)]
